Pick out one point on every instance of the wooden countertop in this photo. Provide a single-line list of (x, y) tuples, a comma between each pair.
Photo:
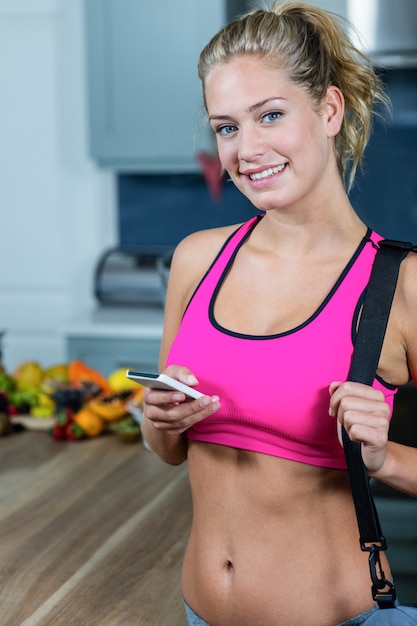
[(92, 533)]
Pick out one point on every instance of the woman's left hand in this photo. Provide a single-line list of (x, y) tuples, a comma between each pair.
[(365, 415)]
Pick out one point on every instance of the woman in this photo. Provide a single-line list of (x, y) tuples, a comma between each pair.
[(261, 318)]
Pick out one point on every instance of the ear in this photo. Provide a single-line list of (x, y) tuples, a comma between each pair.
[(333, 110)]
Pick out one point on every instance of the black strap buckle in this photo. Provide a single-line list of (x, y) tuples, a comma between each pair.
[(383, 590)]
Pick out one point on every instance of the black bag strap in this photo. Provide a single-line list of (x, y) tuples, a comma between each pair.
[(368, 345)]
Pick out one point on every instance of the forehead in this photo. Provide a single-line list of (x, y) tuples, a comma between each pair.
[(246, 78)]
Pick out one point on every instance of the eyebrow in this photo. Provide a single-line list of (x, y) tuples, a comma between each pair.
[(251, 109)]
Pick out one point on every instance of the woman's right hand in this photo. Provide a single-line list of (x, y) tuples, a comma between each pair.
[(171, 412)]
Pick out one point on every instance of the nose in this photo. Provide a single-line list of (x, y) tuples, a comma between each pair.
[(251, 144)]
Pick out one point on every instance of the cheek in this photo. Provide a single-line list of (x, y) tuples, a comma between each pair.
[(226, 152)]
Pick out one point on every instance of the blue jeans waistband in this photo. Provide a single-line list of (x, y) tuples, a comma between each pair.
[(195, 620), (192, 618)]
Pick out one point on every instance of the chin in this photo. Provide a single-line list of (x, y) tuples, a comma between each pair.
[(267, 205)]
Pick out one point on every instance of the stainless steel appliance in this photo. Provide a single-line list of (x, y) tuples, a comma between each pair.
[(127, 276), (388, 30)]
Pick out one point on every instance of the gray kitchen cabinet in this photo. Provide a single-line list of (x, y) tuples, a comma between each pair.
[(144, 96), (112, 338), (107, 354)]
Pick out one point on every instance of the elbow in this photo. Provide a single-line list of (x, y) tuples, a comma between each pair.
[(170, 457), (170, 450), (171, 460)]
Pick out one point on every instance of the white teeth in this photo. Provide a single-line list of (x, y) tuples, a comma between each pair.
[(266, 173)]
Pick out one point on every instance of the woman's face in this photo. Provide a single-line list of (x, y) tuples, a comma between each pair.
[(274, 144)]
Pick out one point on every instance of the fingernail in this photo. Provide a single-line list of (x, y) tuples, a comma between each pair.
[(177, 397), (191, 379), (331, 412), (204, 401)]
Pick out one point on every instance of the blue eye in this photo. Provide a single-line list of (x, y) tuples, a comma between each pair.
[(272, 116), (226, 130)]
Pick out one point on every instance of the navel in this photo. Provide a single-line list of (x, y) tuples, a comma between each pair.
[(228, 566)]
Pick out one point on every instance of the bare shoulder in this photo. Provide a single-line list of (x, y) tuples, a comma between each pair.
[(201, 245), (195, 253), (191, 259), (407, 281)]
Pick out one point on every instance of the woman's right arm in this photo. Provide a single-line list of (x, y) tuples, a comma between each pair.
[(168, 414)]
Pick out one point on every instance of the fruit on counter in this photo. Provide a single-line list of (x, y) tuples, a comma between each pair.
[(112, 406), (28, 375), (53, 376), (90, 422), (61, 420), (7, 383), (135, 404), (78, 398), (65, 428), (119, 382), (58, 373), (44, 406), (138, 395), (62, 429), (68, 397), (21, 402), (74, 432), (127, 429), (79, 373), (79, 425)]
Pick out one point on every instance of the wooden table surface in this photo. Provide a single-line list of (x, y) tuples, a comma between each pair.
[(92, 533)]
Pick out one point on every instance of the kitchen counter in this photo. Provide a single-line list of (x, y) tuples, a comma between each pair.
[(111, 338), (123, 322), (93, 533)]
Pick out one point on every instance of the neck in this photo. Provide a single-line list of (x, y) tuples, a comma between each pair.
[(319, 230)]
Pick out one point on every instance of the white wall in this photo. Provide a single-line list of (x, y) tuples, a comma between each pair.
[(58, 210)]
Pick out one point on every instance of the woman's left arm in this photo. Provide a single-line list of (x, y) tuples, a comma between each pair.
[(399, 469), (362, 410), (365, 415)]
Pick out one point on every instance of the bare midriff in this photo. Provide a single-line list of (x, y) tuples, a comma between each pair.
[(273, 542)]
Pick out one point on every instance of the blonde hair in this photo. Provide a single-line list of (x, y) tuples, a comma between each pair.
[(313, 49)]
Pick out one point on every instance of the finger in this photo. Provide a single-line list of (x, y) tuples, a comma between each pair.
[(332, 388), (343, 392), (371, 405), (161, 397), (373, 440), (177, 418), (334, 385), (182, 374), (355, 412), (374, 418), (366, 427)]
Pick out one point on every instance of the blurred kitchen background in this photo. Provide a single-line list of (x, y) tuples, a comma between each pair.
[(106, 164)]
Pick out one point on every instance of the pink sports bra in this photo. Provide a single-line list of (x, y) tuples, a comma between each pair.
[(274, 389)]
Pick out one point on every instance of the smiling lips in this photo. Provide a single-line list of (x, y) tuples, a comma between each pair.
[(266, 173)]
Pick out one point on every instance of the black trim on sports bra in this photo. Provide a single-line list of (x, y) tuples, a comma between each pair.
[(258, 217), (342, 276)]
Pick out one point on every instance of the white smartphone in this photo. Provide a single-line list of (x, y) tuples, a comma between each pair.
[(162, 381)]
